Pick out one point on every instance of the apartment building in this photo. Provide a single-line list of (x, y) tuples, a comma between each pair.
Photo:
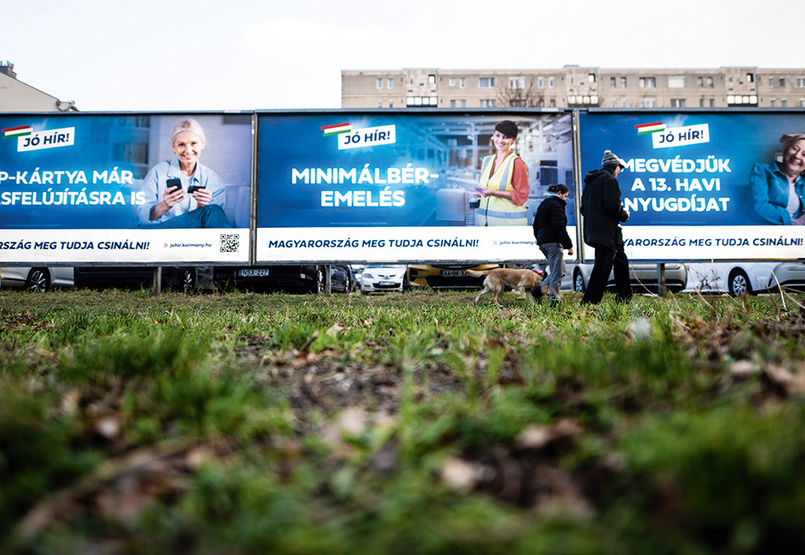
[(575, 87), (17, 96)]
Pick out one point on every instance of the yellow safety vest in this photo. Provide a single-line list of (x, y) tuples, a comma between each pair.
[(496, 210)]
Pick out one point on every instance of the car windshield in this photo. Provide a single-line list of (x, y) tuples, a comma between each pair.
[(392, 266)]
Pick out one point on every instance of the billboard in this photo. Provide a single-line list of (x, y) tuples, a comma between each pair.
[(404, 186), (125, 188), (704, 185)]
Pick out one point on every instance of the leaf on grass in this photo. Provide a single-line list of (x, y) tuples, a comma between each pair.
[(107, 426), (130, 481), (335, 329), (461, 475), (537, 437), (787, 383)]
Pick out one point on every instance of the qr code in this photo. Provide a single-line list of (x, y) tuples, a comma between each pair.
[(230, 242)]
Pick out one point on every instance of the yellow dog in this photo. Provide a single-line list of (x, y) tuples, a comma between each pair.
[(522, 280)]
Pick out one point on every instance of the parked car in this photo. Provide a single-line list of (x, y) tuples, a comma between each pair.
[(642, 276), (356, 270), (305, 278), (301, 278), (379, 277), (38, 279), (134, 277), (446, 276), (751, 278)]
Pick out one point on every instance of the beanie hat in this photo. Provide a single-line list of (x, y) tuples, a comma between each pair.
[(611, 159)]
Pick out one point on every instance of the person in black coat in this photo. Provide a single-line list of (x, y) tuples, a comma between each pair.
[(550, 230), (602, 211)]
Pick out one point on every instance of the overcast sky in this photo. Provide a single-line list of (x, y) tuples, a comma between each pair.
[(232, 54)]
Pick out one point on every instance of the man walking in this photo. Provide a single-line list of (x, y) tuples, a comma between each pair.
[(602, 211)]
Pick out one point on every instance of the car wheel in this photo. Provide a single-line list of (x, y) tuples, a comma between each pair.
[(739, 283), (38, 280), (578, 282), (189, 281)]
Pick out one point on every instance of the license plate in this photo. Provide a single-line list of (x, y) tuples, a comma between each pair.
[(387, 283), (257, 272), (453, 273)]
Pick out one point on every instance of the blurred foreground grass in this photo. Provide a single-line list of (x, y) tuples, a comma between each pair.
[(415, 423)]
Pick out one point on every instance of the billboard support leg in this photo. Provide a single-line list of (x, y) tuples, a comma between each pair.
[(157, 280), (661, 289)]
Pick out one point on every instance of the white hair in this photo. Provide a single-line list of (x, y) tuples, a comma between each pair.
[(189, 125)]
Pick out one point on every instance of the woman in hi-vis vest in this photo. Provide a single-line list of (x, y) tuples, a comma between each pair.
[(504, 181)]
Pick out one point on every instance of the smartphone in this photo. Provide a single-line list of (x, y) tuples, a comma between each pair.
[(173, 182), (193, 188)]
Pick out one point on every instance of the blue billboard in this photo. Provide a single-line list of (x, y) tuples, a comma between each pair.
[(405, 186), (139, 188), (705, 185)]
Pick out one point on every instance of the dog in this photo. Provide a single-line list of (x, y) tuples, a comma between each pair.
[(522, 280)]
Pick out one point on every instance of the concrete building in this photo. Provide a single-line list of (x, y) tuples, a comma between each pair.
[(16, 96), (574, 87)]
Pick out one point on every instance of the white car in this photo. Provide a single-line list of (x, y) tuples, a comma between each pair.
[(38, 279), (376, 278), (642, 276), (751, 278)]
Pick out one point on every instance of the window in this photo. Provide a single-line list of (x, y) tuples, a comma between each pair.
[(625, 103), (452, 103), (800, 82), (591, 77), (431, 79), (487, 104), (676, 82), (516, 82), (678, 103), (486, 82), (773, 103), (613, 82), (379, 103), (750, 77), (783, 103), (703, 81), (802, 102), (463, 103), (551, 82), (782, 81), (648, 102), (380, 83), (553, 103), (771, 82), (583, 100), (421, 101), (738, 99), (707, 102), (614, 102), (623, 82), (452, 82), (463, 83), (648, 83), (541, 82), (391, 83)]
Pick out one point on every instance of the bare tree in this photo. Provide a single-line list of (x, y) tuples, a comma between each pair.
[(524, 94)]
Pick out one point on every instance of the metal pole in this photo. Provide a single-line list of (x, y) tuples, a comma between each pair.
[(661, 289), (157, 280)]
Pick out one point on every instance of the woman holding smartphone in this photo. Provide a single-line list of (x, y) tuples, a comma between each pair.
[(182, 192)]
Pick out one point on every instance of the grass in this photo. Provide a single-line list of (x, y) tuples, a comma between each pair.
[(415, 423)]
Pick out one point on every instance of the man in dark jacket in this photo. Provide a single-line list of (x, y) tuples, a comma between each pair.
[(602, 211), (550, 230)]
